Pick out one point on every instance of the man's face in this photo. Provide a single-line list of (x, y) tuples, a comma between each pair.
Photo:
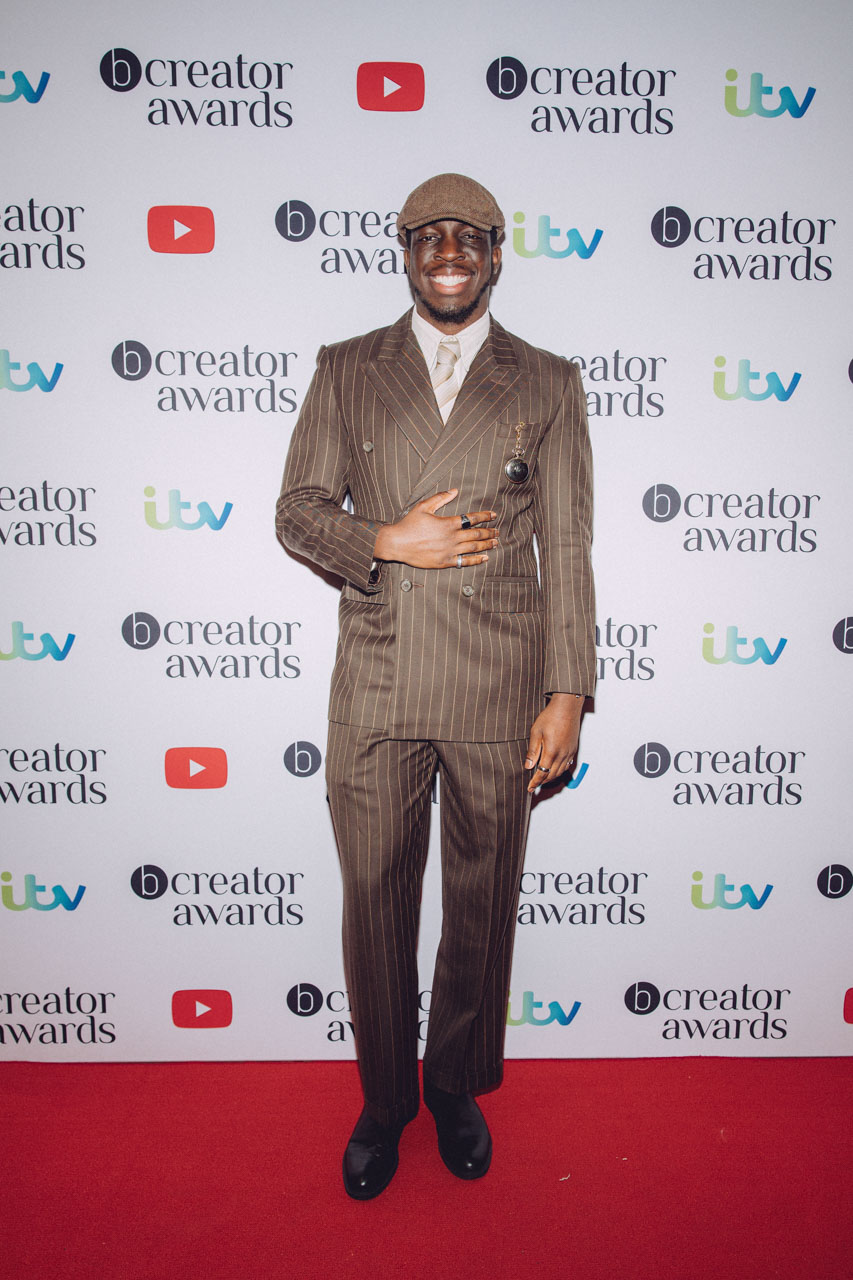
[(451, 266)]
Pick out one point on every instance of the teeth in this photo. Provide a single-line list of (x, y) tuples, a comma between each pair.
[(447, 279)]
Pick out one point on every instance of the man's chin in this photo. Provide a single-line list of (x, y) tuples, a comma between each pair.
[(450, 309)]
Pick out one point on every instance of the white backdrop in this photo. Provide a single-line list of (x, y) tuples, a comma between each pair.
[(689, 892)]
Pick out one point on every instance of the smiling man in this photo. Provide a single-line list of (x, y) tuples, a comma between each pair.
[(459, 652)]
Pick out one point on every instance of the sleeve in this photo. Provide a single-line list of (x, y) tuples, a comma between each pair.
[(309, 518), (563, 522)]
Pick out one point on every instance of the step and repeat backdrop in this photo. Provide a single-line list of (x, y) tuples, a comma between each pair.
[(192, 202)]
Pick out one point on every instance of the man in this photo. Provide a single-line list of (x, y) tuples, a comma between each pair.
[(458, 443)]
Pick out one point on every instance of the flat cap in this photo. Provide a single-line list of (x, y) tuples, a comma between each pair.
[(450, 195)]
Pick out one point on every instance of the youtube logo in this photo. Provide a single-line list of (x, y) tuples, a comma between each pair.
[(180, 228), (390, 86), (196, 768), (203, 1009)]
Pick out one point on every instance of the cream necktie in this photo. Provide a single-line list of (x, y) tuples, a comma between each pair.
[(443, 376)]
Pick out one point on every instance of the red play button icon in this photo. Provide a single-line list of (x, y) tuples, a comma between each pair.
[(180, 228), (203, 1009), (390, 86), (196, 768)]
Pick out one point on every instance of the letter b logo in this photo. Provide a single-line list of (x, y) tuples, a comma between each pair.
[(670, 226), (304, 999), (295, 220), (642, 998), (140, 630), (661, 503), (302, 759), (120, 70), (842, 635), (506, 77), (652, 759), (131, 360), (835, 881), (149, 881)]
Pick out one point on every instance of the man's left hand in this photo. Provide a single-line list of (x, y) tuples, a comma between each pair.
[(554, 739)]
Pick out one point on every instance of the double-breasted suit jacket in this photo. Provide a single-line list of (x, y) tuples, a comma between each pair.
[(439, 668), (448, 654)]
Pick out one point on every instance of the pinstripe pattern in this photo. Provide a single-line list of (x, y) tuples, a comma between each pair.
[(441, 667), (433, 661), (379, 791)]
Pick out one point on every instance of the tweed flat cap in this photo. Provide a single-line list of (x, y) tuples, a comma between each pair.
[(450, 195)]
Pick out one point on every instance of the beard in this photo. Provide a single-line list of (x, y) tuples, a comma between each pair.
[(451, 309)]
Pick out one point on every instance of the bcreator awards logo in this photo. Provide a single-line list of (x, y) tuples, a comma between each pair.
[(63, 1005), (740, 1013), (252, 648), (53, 224), (625, 100), (739, 777), (672, 227), (296, 222), (740, 522), (231, 381), (121, 70), (268, 893), (46, 513)]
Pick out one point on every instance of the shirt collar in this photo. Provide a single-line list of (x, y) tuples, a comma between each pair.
[(470, 339)]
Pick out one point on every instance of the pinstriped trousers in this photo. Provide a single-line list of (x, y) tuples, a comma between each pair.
[(380, 793)]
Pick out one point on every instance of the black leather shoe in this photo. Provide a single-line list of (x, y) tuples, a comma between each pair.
[(464, 1141), (370, 1160)]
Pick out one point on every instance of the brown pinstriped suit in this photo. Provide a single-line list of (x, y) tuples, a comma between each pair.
[(443, 667)]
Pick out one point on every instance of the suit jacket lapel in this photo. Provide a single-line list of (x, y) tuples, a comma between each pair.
[(491, 385), (399, 374)]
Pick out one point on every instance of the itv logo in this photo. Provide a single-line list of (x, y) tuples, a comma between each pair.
[(36, 375), (760, 649), (49, 647), (556, 1013), (31, 895), (575, 242), (23, 87), (722, 890), (758, 91), (745, 378), (177, 507)]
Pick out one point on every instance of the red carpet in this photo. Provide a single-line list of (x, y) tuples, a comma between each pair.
[(674, 1168)]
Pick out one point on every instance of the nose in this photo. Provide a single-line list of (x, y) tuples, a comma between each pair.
[(449, 247)]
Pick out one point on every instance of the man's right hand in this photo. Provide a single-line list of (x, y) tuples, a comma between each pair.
[(429, 541)]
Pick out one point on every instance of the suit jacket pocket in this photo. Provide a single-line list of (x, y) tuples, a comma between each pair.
[(511, 595), (356, 595)]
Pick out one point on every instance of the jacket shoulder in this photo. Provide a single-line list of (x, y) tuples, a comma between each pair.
[(363, 346), (538, 362)]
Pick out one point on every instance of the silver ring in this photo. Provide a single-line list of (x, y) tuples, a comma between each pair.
[(466, 522), (541, 769), (459, 564)]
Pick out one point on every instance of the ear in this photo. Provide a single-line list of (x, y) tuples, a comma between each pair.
[(496, 258)]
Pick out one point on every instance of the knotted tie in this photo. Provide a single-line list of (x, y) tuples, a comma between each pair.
[(443, 376)]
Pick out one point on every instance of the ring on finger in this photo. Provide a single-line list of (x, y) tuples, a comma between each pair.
[(459, 564), (466, 521), (541, 768)]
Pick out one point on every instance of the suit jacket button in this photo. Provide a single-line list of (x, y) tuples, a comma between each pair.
[(467, 590), (367, 446), (405, 585)]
